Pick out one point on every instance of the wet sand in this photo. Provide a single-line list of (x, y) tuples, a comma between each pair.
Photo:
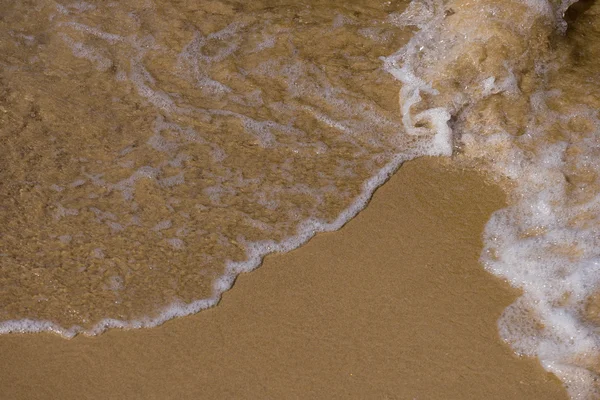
[(393, 306)]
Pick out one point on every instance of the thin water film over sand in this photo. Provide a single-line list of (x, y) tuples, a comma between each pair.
[(150, 146), (153, 150)]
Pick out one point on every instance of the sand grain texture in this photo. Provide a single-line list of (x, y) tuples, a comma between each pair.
[(392, 306)]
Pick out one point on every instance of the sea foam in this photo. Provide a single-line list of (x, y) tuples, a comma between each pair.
[(492, 67), (480, 79), (212, 146)]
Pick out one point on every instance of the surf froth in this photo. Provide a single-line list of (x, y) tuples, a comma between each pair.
[(522, 106), (165, 155), (151, 158)]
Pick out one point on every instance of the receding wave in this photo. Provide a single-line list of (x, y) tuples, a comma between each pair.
[(520, 91), (152, 152)]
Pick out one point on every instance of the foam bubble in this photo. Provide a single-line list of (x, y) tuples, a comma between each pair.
[(247, 153), (539, 243)]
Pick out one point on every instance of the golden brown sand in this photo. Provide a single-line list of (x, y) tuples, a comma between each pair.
[(392, 306)]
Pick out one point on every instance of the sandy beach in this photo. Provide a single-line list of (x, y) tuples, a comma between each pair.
[(393, 306)]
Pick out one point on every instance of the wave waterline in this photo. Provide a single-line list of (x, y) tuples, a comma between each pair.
[(521, 89), (505, 85), (205, 148)]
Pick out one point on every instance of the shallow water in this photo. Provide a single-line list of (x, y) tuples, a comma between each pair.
[(150, 146), (153, 150)]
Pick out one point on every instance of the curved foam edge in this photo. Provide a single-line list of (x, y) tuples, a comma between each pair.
[(545, 321), (435, 140), (256, 252)]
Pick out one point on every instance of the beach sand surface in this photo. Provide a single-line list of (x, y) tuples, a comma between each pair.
[(393, 306)]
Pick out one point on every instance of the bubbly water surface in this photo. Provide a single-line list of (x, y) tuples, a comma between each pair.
[(154, 150)]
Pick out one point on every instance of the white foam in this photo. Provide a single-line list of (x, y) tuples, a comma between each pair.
[(522, 242), (176, 243), (165, 224), (309, 90), (255, 252), (98, 253), (350, 119), (89, 53)]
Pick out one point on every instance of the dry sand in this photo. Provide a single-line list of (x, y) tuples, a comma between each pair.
[(392, 306)]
